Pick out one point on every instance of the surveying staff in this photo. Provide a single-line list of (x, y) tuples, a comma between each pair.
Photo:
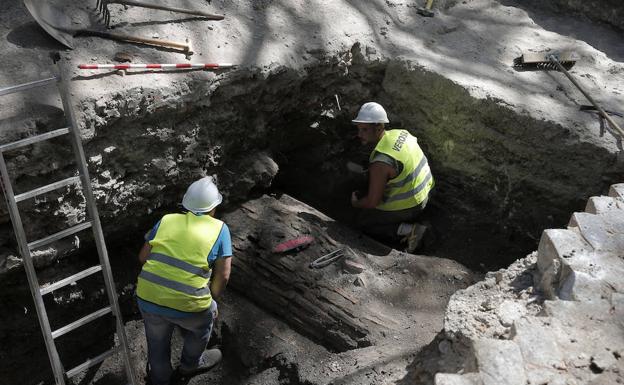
[(399, 180), (186, 265)]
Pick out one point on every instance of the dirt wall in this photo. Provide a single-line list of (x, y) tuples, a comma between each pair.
[(608, 11)]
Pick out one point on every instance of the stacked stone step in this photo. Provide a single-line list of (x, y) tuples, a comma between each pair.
[(578, 337)]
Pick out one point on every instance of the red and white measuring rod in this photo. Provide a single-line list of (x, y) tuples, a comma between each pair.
[(153, 66)]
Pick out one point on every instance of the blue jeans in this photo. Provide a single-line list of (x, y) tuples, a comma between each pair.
[(196, 331)]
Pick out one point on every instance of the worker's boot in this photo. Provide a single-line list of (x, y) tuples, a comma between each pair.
[(208, 360), (415, 237)]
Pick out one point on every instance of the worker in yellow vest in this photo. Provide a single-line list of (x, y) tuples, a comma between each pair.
[(399, 180), (186, 266)]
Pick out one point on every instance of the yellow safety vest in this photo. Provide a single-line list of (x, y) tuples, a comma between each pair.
[(177, 274), (412, 186)]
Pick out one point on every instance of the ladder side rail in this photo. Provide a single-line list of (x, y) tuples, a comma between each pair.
[(27, 86), (33, 282), (98, 234), (90, 362)]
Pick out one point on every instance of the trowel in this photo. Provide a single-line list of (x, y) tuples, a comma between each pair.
[(57, 24)]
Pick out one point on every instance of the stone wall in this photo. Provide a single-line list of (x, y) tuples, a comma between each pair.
[(554, 317)]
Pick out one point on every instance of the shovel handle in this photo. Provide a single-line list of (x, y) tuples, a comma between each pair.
[(137, 39), (166, 8), (602, 112)]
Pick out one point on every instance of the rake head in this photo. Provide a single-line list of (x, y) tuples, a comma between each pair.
[(102, 7), (543, 61)]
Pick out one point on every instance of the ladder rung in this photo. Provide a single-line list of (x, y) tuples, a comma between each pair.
[(27, 86), (69, 280), (34, 139), (59, 235), (91, 362), (76, 324), (48, 188)]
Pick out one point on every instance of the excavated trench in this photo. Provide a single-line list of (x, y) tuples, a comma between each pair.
[(501, 177)]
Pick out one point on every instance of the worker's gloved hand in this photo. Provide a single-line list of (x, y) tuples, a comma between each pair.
[(354, 198), (356, 168), (214, 308)]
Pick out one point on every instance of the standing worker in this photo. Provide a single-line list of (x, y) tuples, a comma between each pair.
[(399, 180), (186, 266)]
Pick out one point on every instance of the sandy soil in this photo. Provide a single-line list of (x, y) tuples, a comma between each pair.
[(472, 43)]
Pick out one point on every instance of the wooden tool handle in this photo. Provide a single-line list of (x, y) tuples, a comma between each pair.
[(137, 39), (165, 8), (602, 112)]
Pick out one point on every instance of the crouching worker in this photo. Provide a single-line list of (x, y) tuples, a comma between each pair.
[(399, 181), (186, 266)]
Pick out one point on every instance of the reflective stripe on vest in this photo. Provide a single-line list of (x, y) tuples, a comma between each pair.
[(176, 274), (190, 290), (412, 186), (180, 264)]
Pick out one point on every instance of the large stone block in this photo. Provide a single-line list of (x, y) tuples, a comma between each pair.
[(617, 191), (499, 362), (537, 339), (557, 247), (587, 329), (601, 205), (557, 244), (609, 268), (581, 286), (604, 232)]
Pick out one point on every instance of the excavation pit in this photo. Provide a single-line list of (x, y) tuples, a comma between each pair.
[(499, 179), (507, 165)]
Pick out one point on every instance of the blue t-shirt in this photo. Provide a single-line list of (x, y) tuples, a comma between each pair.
[(221, 249)]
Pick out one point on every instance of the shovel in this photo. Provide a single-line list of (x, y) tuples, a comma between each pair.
[(57, 24)]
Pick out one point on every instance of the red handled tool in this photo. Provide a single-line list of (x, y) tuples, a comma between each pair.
[(295, 244)]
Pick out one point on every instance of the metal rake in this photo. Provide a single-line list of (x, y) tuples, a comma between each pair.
[(102, 7)]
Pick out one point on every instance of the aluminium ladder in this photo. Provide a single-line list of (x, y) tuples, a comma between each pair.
[(25, 247)]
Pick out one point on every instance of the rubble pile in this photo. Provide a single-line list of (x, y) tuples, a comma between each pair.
[(554, 317)]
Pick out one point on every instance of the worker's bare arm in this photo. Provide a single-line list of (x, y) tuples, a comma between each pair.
[(378, 175), (220, 276), (145, 252)]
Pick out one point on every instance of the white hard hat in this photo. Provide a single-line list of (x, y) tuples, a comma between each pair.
[(371, 112), (202, 196)]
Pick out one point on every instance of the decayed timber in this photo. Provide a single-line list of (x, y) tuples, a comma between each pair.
[(389, 294), (317, 302)]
